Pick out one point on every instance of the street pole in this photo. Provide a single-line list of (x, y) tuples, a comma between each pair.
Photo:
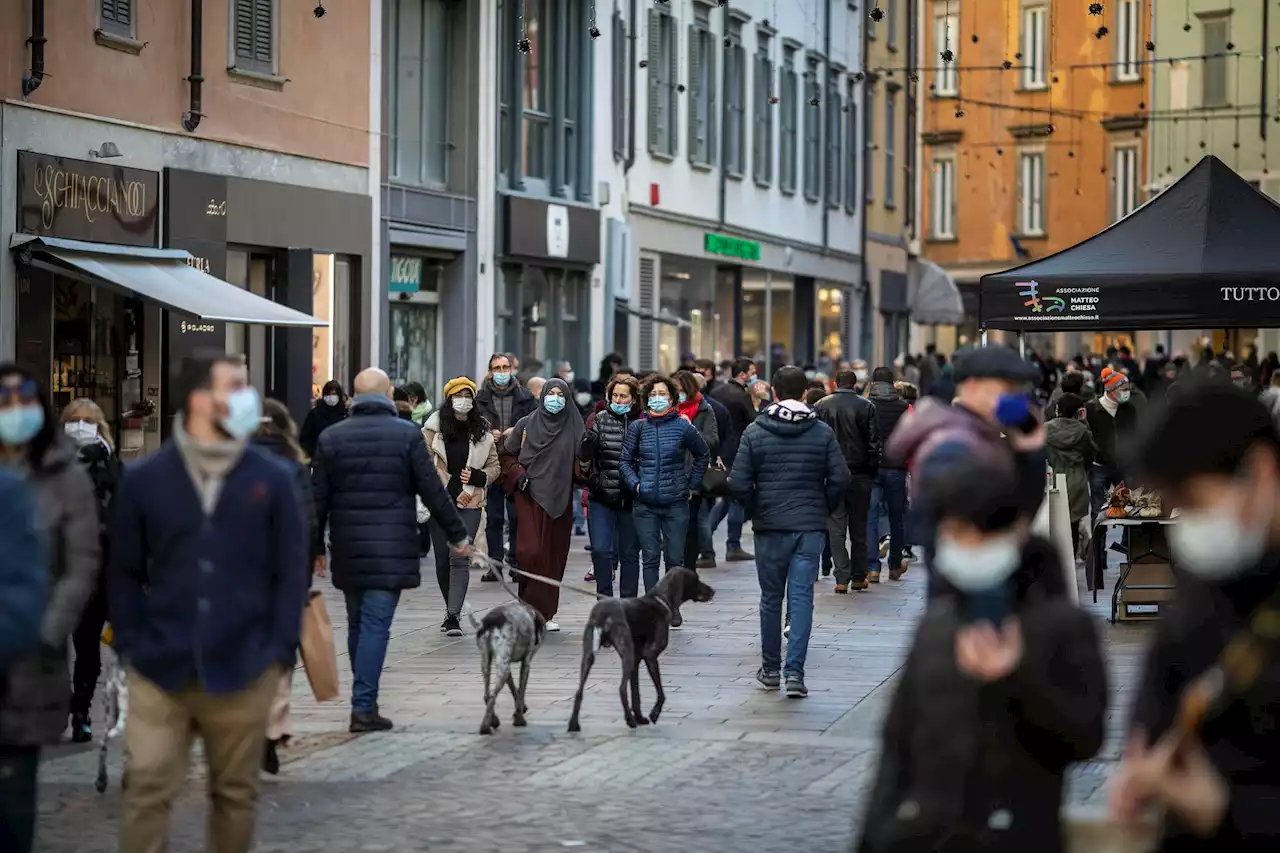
[(768, 326)]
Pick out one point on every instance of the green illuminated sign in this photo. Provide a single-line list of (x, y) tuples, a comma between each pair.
[(731, 247)]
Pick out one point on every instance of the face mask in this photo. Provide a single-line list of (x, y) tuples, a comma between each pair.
[(1012, 409), (583, 398), (331, 399), (620, 409), (462, 405), (861, 374), (82, 431), (1215, 544), (684, 398), (553, 404), (658, 405), (501, 379), (568, 377), (810, 374), (975, 569), (20, 425), (244, 413), (1124, 397), (752, 380)]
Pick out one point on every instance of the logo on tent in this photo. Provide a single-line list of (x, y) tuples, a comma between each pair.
[(1036, 302)]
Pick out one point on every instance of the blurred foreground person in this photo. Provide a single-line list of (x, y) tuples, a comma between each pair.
[(208, 581), (1003, 688), (1215, 770)]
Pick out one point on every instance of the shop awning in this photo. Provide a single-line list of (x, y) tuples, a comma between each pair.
[(664, 318), (160, 275), (937, 300)]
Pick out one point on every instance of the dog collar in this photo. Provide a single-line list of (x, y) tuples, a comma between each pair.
[(665, 606)]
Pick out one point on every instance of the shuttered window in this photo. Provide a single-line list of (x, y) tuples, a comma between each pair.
[(789, 104), (702, 91), (663, 71), (117, 16), (762, 114), (254, 31)]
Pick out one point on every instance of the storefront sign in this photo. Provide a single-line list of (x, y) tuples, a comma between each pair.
[(536, 229), (84, 200), (406, 274), (731, 247), (557, 231)]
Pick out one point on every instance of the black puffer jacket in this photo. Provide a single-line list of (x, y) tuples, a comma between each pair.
[(857, 431), (320, 418), (742, 411), (601, 450), (890, 407), (366, 473)]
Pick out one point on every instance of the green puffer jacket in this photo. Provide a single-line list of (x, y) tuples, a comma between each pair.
[(1071, 451)]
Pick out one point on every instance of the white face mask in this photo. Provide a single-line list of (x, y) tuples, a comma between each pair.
[(978, 568), (1122, 397), (568, 377), (861, 374), (82, 432), (1215, 544), (462, 405), (583, 397), (331, 399)]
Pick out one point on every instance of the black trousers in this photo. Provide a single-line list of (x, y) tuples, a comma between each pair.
[(691, 543), (18, 766), (87, 640)]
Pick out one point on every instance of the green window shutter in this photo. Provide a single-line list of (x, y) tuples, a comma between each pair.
[(656, 95)]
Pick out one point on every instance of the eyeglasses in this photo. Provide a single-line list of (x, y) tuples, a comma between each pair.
[(27, 391)]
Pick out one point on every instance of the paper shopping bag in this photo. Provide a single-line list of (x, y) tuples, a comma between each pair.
[(319, 658)]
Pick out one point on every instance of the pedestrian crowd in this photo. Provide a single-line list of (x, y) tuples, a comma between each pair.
[(198, 561)]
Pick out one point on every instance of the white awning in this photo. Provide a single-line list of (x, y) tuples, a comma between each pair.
[(936, 301), (160, 275)]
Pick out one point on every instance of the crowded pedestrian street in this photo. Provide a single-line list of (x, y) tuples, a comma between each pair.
[(730, 767)]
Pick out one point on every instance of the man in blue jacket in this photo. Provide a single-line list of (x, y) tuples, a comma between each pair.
[(788, 475), (207, 582), (366, 474)]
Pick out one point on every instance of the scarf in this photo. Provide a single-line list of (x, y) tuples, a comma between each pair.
[(1108, 405), (549, 446), (690, 407), (208, 464)]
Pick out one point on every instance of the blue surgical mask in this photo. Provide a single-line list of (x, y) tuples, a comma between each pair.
[(658, 405), (553, 404), (244, 413), (752, 380), (684, 398), (501, 379), (20, 425), (620, 409), (1012, 409)]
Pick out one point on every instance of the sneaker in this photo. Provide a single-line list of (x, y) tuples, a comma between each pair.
[(795, 687), (786, 627), (579, 531), (80, 729), (587, 547), (271, 759), (873, 577), (884, 547), (858, 586), (676, 619), (896, 574), (368, 721), (706, 561), (826, 571), (842, 589), (589, 577), (737, 555), (451, 627), (552, 627), (489, 577), (770, 679), (908, 554)]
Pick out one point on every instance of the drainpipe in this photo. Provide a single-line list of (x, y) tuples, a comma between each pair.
[(631, 91), (32, 81), (191, 118), (822, 87), (861, 207)]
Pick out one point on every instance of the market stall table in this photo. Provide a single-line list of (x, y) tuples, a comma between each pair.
[(1098, 562)]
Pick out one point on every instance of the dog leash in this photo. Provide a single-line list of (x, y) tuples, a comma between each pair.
[(499, 567)]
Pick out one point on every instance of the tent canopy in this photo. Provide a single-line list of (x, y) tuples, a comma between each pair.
[(936, 301), (1199, 255)]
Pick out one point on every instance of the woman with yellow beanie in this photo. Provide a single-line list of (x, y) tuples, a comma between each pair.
[(461, 443)]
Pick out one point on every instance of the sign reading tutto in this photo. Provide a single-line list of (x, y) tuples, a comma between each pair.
[(731, 247), (82, 200)]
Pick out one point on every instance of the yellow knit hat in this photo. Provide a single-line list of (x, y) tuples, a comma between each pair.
[(460, 383)]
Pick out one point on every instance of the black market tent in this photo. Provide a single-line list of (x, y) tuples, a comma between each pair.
[(1203, 254)]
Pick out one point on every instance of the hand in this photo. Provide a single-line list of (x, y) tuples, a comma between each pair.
[(1027, 442), (321, 565), (988, 654), (497, 435), (465, 476), (506, 432), (464, 499), (1176, 775), (462, 549)]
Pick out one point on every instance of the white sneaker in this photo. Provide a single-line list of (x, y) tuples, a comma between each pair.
[(552, 627), (786, 628)]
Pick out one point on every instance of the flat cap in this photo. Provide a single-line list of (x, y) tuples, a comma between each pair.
[(994, 362)]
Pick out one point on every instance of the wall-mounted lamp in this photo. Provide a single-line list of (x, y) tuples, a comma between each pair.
[(107, 149)]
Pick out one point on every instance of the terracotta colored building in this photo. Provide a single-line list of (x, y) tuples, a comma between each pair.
[(1033, 134)]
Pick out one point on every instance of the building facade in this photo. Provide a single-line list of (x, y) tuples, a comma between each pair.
[(734, 181), (1033, 124), (235, 146)]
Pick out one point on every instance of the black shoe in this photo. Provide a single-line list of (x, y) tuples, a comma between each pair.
[(271, 760), (706, 561), (737, 555), (368, 721), (451, 627), (489, 577), (826, 571), (444, 626), (80, 729)]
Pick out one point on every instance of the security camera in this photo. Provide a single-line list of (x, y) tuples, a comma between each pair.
[(318, 11)]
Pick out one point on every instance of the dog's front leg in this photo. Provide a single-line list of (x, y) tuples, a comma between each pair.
[(652, 665), (641, 719)]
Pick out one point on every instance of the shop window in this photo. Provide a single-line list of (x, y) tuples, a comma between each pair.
[(663, 72), (702, 89), (762, 113), (1035, 48), (763, 331), (812, 132), (946, 36), (414, 344), (830, 324), (789, 105), (735, 92), (687, 295), (833, 139), (116, 17), (324, 271), (254, 36), (419, 96)]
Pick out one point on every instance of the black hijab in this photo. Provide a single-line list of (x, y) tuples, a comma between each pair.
[(548, 446)]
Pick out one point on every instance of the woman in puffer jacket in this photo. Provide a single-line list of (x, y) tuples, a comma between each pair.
[(609, 520)]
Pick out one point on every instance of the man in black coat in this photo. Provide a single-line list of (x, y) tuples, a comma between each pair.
[(857, 431), (367, 473), (502, 401), (889, 487), (741, 410)]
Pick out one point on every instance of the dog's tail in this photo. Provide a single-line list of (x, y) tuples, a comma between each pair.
[(470, 613)]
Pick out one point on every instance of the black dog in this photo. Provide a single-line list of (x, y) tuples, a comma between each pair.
[(638, 628)]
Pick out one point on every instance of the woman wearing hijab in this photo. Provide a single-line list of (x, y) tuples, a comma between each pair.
[(545, 444), (466, 458), (328, 410)]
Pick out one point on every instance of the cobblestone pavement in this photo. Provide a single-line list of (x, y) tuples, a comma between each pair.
[(730, 767)]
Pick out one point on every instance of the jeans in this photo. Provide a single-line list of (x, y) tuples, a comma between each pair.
[(661, 531), (787, 563), (575, 499), (453, 573), (847, 529), (888, 490), (1100, 479), (499, 507), (613, 544), (18, 765), (705, 545), (731, 509), (369, 615)]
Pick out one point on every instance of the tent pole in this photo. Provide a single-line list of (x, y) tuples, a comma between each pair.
[(1022, 345), (983, 333)]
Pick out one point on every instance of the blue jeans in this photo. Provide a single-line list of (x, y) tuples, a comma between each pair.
[(705, 545), (369, 615), (576, 501), (888, 493), (731, 509), (499, 507), (613, 544), (787, 563), (661, 531)]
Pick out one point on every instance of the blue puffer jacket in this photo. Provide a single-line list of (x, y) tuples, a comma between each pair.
[(789, 472), (653, 460), (365, 475)]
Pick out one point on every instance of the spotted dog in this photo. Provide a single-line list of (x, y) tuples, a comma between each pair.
[(116, 699), (507, 635), (638, 629)]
